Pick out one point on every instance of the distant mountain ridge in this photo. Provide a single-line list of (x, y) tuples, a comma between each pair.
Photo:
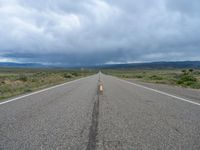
[(156, 65), (151, 65), (21, 65)]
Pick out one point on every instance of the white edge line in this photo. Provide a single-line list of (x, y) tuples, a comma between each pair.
[(43, 90), (161, 92)]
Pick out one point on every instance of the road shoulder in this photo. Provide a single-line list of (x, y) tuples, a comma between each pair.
[(187, 93)]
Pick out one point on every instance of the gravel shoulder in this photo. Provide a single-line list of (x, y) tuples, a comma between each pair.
[(188, 93)]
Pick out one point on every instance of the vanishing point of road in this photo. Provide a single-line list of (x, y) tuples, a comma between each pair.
[(102, 112)]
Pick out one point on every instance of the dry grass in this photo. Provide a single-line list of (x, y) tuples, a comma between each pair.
[(19, 81), (179, 77)]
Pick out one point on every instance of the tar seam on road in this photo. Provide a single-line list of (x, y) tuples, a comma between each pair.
[(161, 92), (94, 126), (43, 90), (95, 120)]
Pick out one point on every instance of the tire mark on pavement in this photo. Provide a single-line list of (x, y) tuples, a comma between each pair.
[(94, 126), (92, 143)]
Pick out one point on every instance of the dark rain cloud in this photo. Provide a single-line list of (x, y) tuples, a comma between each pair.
[(99, 31)]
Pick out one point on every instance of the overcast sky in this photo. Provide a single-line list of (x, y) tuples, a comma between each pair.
[(74, 32)]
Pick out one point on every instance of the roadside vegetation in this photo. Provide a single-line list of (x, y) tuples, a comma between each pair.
[(19, 81), (189, 78)]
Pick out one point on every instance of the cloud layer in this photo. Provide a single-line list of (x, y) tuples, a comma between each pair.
[(99, 31)]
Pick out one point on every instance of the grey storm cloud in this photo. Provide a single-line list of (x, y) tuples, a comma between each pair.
[(99, 31)]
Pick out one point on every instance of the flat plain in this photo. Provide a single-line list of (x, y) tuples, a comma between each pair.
[(188, 78), (16, 81)]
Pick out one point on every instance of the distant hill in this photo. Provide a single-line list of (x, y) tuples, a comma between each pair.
[(152, 65), (21, 65), (155, 65)]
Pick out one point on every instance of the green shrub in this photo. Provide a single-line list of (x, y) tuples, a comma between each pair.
[(191, 70), (23, 77), (5, 89), (75, 74), (68, 75), (186, 80), (196, 72), (196, 85), (139, 76), (2, 81), (155, 77), (184, 71), (28, 90)]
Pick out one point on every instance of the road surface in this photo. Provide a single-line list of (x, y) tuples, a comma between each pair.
[(125, 115)]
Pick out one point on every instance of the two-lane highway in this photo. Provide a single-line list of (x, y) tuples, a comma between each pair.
[(77, 116)]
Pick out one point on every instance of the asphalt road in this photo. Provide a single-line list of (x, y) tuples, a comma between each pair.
[(125, 115)]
